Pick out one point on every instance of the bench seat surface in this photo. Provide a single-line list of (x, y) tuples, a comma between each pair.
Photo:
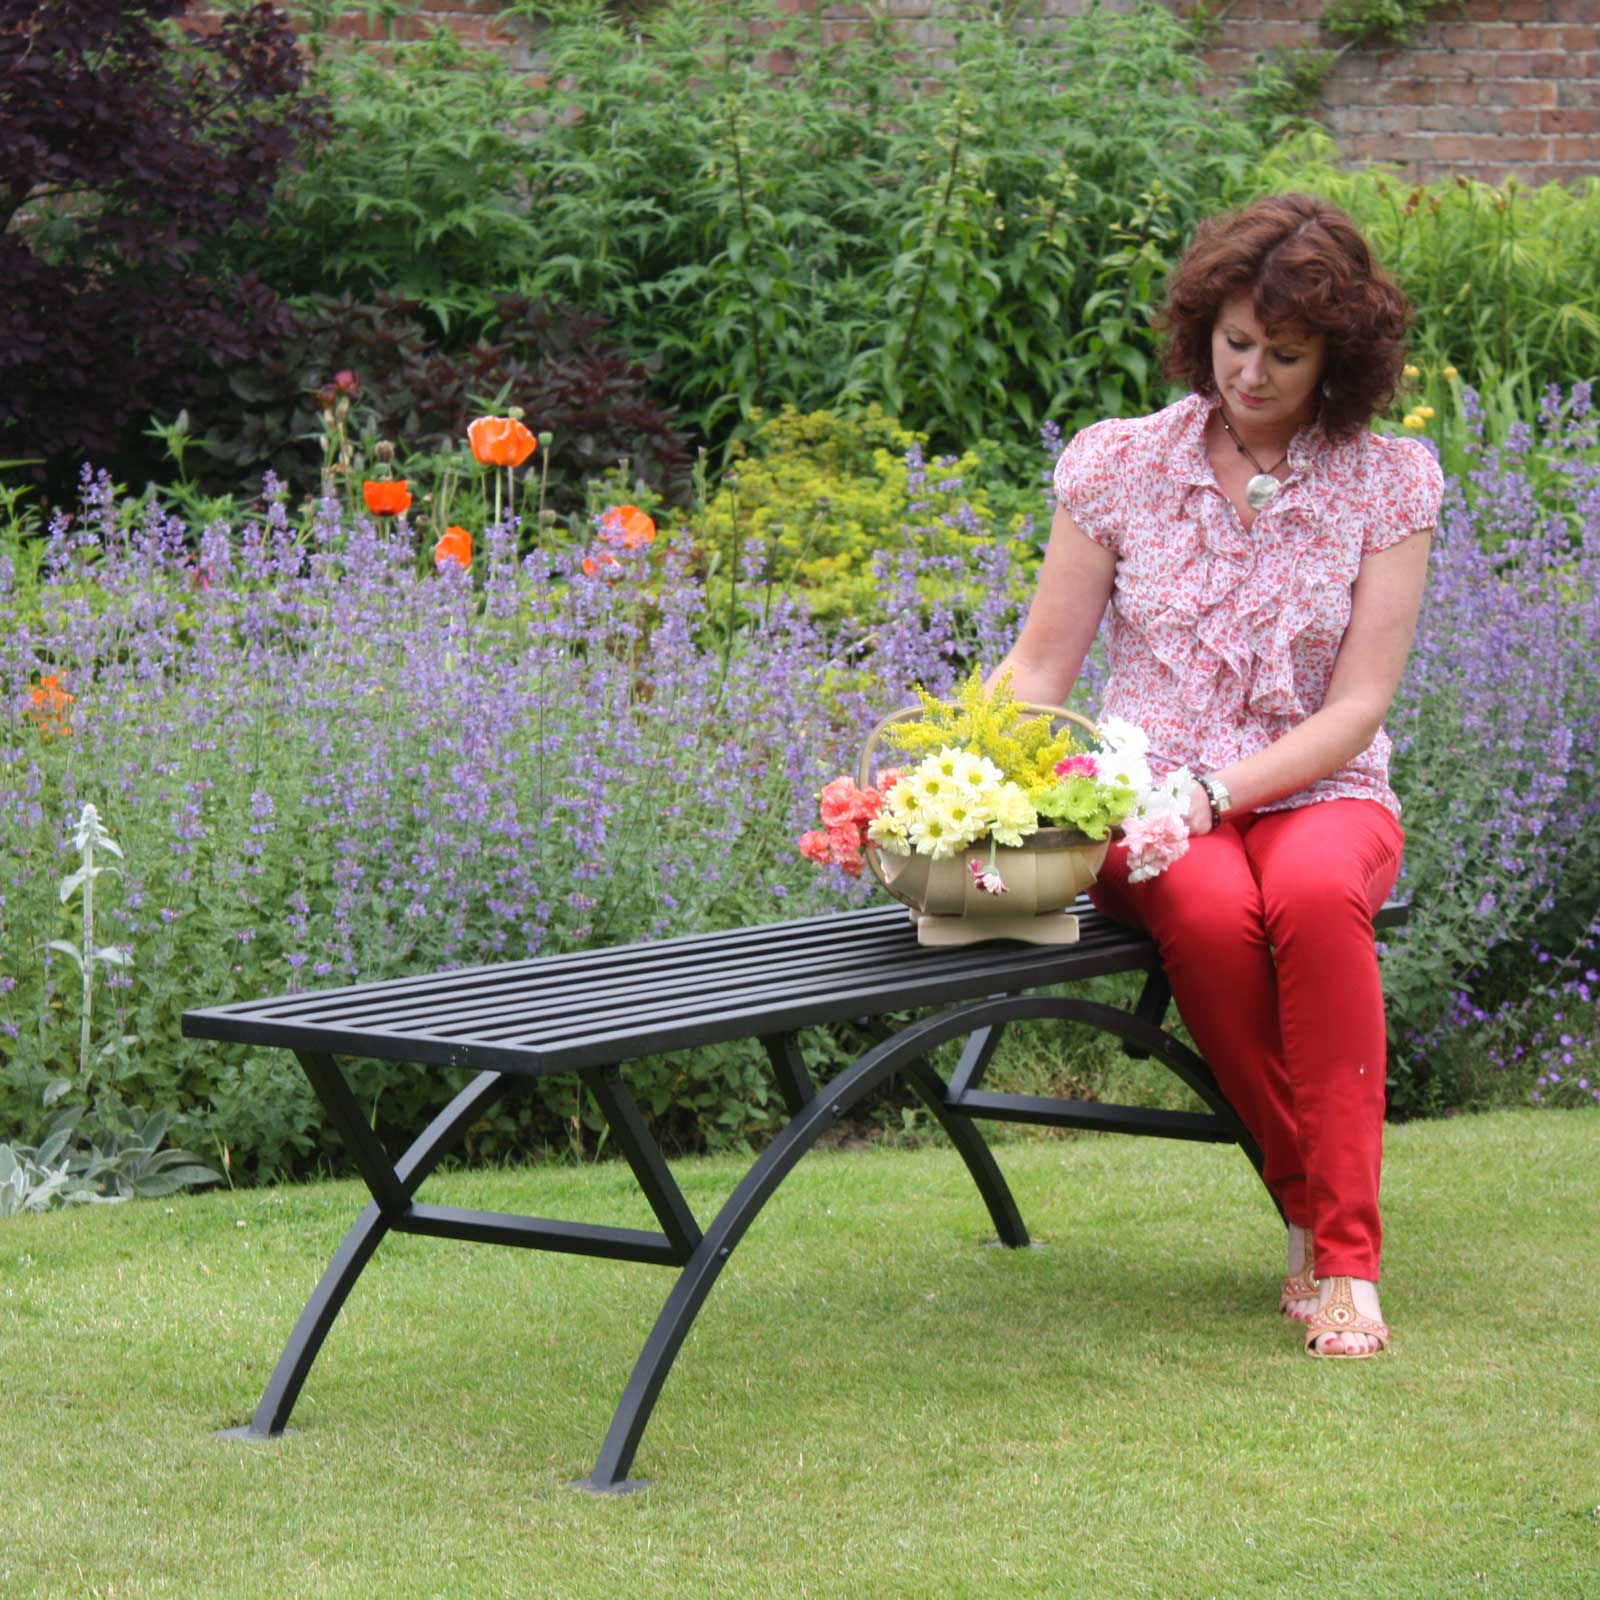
[(598, 1007)]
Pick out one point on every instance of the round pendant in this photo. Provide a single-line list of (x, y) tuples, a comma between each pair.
[(1261, 489)]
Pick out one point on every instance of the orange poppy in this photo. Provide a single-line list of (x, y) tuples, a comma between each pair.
[(500, 441), (456, 545), (630, 524), (51, 705), (594, 564), (386, 497)]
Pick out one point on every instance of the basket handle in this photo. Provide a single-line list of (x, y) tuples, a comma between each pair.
[(864, 767)]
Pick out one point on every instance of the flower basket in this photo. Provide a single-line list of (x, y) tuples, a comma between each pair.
[(1043, 875)]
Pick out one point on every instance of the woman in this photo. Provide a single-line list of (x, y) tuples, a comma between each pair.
[(1264, 557)]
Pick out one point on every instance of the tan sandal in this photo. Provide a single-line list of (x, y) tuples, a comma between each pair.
[(1301, 1285), (1297, 1286), (1339, 1315)]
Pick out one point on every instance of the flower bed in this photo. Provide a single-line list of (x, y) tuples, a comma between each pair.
[(329, 759)]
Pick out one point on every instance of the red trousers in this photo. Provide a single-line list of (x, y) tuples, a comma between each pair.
[(1265, 928)]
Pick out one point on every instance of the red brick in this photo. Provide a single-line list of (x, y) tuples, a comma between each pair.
[(1558, 172), (1580, 39), (1522, 10), (1521, 148), (1369, 147), (1571, 121), (1577, 147), (1457, 119), (1578, 92), (1519, 36), (1452, 147), (1464, 64), (1510, 64), (1456, 36), (1384, 119), (1562, 64), (1359, 66), (1235, 64), (1518, 92), (1338, 92), (1284, 36)]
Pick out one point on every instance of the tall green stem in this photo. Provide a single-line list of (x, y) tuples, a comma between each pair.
[(88, 959), (928, 260), (744, 218)]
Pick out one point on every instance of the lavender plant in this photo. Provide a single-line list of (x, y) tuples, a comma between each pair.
[(1497, 742), (337, 763)]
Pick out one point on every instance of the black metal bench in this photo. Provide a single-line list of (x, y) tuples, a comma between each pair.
[(589, 1012)]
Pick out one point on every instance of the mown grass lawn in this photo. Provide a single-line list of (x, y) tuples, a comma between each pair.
[(873, 1403)]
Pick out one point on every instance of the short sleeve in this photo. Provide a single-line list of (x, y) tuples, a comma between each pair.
[(1091, 481), (1407, 495)]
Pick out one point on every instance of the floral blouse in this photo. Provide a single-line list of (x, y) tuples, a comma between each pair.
[(1222, 637)]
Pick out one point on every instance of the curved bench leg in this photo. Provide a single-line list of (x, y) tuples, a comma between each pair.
[(904, 1049), (328, 1298), (974, 1150)]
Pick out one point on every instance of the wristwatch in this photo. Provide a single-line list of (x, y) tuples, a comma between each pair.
[(1217, 795)]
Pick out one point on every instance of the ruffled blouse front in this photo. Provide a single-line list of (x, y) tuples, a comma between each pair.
[(1224, 637)]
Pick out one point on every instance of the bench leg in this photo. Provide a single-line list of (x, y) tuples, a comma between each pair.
[(904, 1051), (327, 1299), (795, 1084)]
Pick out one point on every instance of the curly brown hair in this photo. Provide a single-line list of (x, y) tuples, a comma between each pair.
[(1307, 270)]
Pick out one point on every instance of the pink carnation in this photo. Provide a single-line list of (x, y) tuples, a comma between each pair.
[(845, 842), (869, 802), (838, 803), (814, 847), (1077, 767), (888, 778), (1154, 843), (987, 878)]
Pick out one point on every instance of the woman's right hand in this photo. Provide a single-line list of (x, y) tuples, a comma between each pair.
[(1198, 816)]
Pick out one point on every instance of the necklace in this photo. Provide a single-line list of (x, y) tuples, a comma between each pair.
[(1261, 488)]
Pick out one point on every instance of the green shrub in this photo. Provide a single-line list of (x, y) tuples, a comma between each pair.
[(981, 252), (772, 215), (420, 187), (1505, 281), (828, 495)]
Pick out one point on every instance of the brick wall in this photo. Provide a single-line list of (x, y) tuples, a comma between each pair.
[(1489, 88)]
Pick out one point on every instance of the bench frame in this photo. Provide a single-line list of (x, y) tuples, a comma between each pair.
[(1006, 979)]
